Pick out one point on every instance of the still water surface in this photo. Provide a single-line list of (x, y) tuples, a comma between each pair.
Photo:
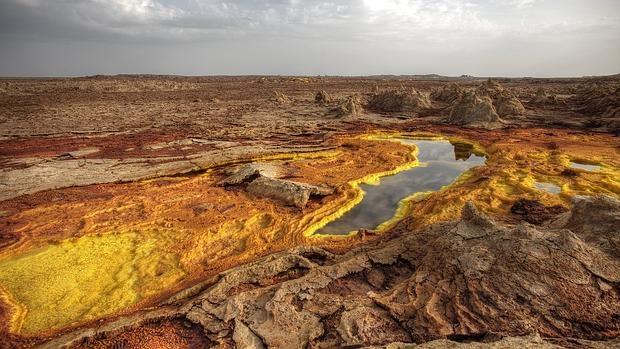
[(441, 163)]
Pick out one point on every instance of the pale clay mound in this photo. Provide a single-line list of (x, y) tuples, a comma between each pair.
[(466, 279)]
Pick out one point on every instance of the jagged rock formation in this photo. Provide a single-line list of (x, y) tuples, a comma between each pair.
[(261, 180), (280, 98), (504, 101), (542, 97), (474, 110), (509, 105), (602, 104), (593, 218), (448, 93), (352, 105), (465, 279), (322, 98), (399, 100), (599, 100), (490, 88)]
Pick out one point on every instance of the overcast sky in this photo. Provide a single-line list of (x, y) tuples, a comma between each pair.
[(310, 37)]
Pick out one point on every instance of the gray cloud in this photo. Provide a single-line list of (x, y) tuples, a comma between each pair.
[(484, 37)]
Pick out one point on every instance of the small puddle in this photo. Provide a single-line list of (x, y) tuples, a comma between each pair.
[(548, 187), (591, 168), (441, 163)]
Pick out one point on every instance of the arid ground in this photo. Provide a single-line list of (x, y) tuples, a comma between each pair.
[(174, 212)]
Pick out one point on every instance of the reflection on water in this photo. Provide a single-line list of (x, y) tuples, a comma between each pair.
[(442, 163), (548, 187), (591, 168)]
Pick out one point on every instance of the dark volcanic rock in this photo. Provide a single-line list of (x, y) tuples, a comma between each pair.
[(532, 211)]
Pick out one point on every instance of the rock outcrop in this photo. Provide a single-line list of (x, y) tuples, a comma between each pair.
[(280, 98), (490, 88), (322, 98), (261, 179), (251, 171), (448, 93), (289, 192), (399, 100), (542, 97), (351, 105), (469, 279), (475, 111), (509, 105), (602, 104), (505, 101)]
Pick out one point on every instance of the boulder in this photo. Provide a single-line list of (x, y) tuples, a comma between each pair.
[(289, 192), (251, 171)]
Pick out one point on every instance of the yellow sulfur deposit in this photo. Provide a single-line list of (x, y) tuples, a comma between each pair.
[(84, 278)]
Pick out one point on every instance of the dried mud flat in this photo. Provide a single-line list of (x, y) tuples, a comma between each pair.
[(169, 212)]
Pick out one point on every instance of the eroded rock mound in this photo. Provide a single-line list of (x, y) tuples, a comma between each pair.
[(280, 98), (465, 279), (509, 105), (474, 110), (542, 97), (599, 100), (448, 93), (352, 105), (322, 98), (505, 101), (593, 217), (399, 100), (490, 88), (602, 104)]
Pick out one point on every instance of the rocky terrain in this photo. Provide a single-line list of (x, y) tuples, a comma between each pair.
[(173, 212)]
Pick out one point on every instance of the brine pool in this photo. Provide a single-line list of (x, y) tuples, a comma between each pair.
[(441, 163), (586, 167)]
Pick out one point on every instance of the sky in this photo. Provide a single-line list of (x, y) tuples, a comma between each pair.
[(541, 38)]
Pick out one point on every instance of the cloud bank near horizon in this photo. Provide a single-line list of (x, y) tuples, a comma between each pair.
[(310, 37)]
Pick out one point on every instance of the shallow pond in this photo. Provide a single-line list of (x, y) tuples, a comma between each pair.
[(548, 187), (440, 164), (591, 168)]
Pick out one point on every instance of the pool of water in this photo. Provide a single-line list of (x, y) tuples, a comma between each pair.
[(591, 168), (441, 163), (548, 187)]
